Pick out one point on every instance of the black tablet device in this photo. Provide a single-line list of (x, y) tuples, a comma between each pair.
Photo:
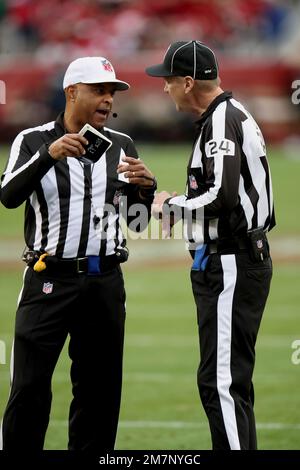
[(98, 144)]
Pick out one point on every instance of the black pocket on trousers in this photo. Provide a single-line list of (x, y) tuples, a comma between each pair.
[(259, 274)]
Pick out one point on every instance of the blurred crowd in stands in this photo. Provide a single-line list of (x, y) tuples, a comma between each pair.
[(44, 35), (52, 29)]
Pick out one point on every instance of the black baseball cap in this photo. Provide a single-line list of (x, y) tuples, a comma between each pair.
[(185, 58)]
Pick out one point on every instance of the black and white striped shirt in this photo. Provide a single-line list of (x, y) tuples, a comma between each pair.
[(228, 178), (63, 197)]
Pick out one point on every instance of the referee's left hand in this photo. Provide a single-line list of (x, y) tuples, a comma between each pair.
[(158, 202), (156, 210), (136, 171)]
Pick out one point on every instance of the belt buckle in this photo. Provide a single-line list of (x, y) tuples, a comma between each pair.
[(79, 271)]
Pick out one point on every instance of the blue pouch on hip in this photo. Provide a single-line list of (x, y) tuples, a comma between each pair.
[(93, 265), (200, 259)]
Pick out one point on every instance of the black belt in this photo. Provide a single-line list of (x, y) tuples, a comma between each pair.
[(228, 246), (72, 266)]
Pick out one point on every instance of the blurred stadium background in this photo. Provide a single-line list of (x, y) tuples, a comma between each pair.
[(257, 43)]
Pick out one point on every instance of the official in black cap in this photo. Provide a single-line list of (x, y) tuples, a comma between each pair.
[(227, 210), (187, 58)]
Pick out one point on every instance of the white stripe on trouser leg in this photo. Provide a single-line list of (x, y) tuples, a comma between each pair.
[(12, 357), (224, 324)]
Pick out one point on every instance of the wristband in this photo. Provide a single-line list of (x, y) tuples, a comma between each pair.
[(148, 191), (148, 188)]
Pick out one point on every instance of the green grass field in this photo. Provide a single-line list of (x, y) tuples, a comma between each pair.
[(160, 404)]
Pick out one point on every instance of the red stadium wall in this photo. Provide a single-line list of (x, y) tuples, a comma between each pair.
[(264, 86)]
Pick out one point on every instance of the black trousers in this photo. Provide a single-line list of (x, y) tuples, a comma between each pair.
[(230, 296), (91, 309)]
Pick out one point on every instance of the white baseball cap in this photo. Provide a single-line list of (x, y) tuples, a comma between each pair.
[(92, 70)]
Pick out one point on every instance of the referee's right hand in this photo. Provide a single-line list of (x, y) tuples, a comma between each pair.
[(69, 145)]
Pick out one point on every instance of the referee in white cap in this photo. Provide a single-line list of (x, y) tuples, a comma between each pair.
[(73, 283)]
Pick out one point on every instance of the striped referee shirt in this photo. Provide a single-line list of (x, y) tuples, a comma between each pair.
[(68, 210), (229, 188)]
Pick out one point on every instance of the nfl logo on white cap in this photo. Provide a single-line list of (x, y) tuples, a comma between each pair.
[(92, 70)]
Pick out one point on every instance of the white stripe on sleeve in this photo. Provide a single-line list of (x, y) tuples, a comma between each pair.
[(218, 133)]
